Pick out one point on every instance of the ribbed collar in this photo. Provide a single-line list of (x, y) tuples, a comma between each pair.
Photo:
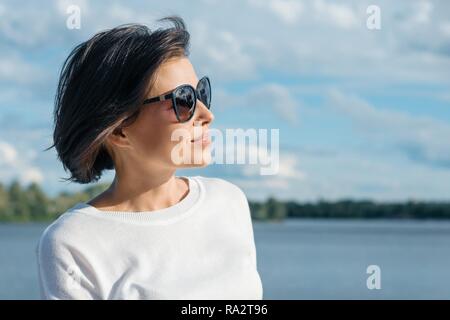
[(162, 216)]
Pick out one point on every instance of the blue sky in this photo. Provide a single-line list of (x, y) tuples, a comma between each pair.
[(362, 113)]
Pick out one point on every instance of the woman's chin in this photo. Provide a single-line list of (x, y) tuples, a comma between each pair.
[(202, 161), (198, 160)]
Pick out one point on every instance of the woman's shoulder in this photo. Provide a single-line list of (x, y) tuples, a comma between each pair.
[(215, 182), (222, 186), (64, 229), (232, 199)]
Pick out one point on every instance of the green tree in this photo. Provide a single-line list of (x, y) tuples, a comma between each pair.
[(5, 208), (258, 211), (18, 202), (275, 209), (38, 202)]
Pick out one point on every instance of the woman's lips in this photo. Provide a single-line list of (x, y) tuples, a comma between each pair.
[(204, 138)]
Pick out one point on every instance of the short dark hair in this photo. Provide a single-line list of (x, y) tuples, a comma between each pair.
[(101, 84)]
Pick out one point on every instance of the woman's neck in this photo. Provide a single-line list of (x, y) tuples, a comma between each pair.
[(146, 193)]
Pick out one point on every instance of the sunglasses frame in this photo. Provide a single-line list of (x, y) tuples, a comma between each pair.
[(171, 95)]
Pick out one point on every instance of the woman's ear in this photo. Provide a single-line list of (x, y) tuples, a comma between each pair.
[(119, 138), (118, 131)]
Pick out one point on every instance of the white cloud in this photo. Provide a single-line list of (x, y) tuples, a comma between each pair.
[(338, 14), (254, 41), (288, 10), (15, 70), (267, 96), (367, 174), (278, 97), (8, 154), (221, 52), (15, 164), (62, 5), (340, 173), (421, 138), (445, 28), (423, 10), (290, 167), (31, 174)]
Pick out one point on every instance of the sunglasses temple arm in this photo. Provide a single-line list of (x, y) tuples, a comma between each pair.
[(160, 98)]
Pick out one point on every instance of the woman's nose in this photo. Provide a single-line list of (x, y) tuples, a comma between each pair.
[(203, 113)]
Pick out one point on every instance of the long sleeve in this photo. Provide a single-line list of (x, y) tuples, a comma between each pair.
[(247, 222), (62, 273), (247, 226)]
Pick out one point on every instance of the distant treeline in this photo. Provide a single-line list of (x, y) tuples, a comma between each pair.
[(359, 209), (29, 203)]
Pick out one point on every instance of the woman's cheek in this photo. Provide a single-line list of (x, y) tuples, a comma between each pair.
[(170, 115)]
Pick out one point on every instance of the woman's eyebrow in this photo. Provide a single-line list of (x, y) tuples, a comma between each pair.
[(165, 92)]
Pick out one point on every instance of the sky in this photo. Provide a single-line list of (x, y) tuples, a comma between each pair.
[(362, 113)]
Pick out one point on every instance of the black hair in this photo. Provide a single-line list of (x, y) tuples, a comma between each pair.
[(102, 84)]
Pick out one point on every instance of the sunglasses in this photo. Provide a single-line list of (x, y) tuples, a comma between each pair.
[(184, 98)]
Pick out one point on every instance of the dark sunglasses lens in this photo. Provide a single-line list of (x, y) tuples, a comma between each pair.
[(184, 102), (204, 89)]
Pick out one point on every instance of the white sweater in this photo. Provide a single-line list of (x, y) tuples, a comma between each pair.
[(200, 248)]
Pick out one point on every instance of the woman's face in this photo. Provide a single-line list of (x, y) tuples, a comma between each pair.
[(156, 138)]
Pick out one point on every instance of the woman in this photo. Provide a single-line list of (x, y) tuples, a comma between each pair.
[(122, 97)]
